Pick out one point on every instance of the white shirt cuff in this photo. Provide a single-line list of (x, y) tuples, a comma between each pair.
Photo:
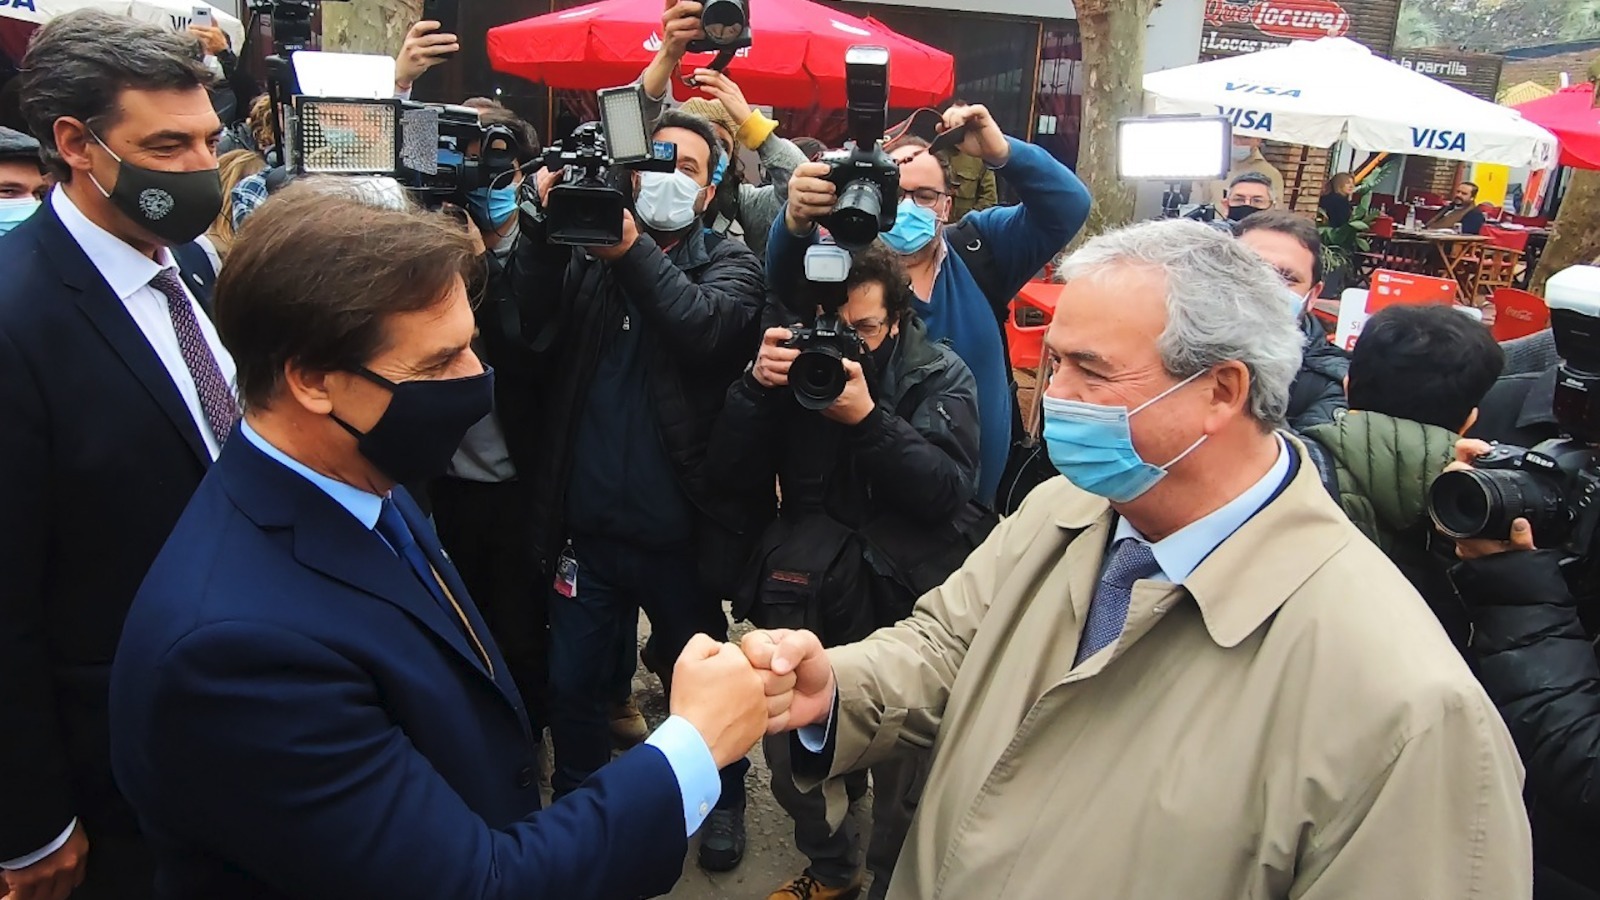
[(22, 862), (694, 767), (815, 737)]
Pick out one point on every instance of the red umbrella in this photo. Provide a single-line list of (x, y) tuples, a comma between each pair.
[(1569, 114), (797, 59)]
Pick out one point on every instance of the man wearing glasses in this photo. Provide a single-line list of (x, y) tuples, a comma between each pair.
[(963, 297), (1247, 195), (875, 489)]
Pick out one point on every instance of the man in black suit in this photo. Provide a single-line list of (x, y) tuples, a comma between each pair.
[(117, 397)]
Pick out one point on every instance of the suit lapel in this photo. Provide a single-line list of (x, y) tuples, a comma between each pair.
[(330, 541), (423, 531), (108, 316)]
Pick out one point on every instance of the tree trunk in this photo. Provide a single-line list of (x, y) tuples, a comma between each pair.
[(1575, 237), (368, 26), (1113, 33)]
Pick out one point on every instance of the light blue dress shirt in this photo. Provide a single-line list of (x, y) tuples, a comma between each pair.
[(1178, 554), (677, 740)]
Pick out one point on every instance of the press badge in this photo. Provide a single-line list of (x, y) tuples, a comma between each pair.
[(567, 574)]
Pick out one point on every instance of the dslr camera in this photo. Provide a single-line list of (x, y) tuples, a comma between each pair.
[(817, 375), (1556, 485), (727, 27), (866, 180), (585, 208)]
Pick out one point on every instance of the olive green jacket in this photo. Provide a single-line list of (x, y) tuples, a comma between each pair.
[(1385, 467)]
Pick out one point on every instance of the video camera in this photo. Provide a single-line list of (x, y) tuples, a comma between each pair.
[(865, 177), (1555, 485), (585, 209), (817, 375)]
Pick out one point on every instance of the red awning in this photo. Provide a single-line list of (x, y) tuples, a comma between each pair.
[(797, 59), (1570, 115)]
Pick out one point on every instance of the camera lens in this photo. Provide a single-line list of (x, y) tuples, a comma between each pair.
[(854, 221), (1480, 503), (725, 21), (817, 377)]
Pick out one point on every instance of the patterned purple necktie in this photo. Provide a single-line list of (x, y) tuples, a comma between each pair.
[(1130, 560), (216, 398)]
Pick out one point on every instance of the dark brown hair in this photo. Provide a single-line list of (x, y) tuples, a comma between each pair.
[(79, 64), (315, 274), (877, 264)]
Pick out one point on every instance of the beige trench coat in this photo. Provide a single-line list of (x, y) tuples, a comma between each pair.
[(1294, 724)]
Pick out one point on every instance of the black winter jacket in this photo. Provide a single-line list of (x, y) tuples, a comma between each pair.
[(702, 300), (1317, 393), (903, 478), (1537, 661)]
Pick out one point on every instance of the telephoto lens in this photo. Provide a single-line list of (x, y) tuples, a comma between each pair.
[(1482, 503)]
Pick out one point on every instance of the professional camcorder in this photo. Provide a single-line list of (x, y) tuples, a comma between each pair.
[(817, 375), (1556, 485), (585, 209), (866, 179)]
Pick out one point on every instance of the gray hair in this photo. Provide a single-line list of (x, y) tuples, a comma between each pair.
[(1224, 304), (78, 64)]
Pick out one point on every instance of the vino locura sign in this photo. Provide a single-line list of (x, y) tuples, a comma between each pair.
[(1234, 27)]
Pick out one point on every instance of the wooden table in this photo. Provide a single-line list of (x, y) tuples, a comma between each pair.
[(1451, 247)]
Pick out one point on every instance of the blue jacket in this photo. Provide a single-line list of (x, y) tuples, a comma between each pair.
[(1022, 238), (294, 715)]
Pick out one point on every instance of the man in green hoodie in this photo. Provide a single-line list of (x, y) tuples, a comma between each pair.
[(1416, 378)]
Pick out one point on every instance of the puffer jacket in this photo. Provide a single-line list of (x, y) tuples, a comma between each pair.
[(902, 479), (702, 301), (1384, 467), (1537, 661), (1317, 394)]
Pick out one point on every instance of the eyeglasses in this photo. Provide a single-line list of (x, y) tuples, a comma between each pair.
[(925, 197), (869, 329), (1252, 202)]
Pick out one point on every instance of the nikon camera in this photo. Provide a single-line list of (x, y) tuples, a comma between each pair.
[(866, 180), (1556, 485), (817, 375)]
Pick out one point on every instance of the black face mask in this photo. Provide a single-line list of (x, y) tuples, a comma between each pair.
[(424, 424), (176, 207), (881, 356), (1240, 213)]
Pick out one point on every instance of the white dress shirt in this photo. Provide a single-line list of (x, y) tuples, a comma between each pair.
[(128, 273)]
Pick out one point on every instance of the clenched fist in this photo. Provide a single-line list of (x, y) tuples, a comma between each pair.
[(716, 690), (798, 657)]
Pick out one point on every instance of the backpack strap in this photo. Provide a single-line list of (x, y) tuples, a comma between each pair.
[(973, 248), (1323, 460)]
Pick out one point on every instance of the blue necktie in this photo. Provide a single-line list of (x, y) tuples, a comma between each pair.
[(392, 526), (1130, 560)]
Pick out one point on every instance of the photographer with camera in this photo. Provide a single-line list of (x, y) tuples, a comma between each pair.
[(876, 473), (635, 343), (1524, 521), (751, 207), (963, 276)]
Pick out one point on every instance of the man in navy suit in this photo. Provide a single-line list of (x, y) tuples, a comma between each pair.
[(115, 397), (305, 702)]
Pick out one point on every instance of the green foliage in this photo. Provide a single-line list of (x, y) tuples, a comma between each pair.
[(1492, 25), (1341, 243)]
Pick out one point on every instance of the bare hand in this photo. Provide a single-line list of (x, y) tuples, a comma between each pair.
[(799, 654), (544, 180), (680, 24), (213, 39), (630, 236), (723, 88), (984, 138), (422, 51), (717, 691), (811, 196), (773, 360), (56, 876), (855, 402)]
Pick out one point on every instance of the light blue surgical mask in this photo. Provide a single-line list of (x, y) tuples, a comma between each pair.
[(494, 205), (14, 211), (914, 228), (1092, 445), (721, 169)]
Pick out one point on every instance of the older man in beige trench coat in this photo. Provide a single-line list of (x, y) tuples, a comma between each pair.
[(1188, 676)]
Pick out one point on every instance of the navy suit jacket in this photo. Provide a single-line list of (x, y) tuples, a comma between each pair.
[(98, 456), (294, 715)]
